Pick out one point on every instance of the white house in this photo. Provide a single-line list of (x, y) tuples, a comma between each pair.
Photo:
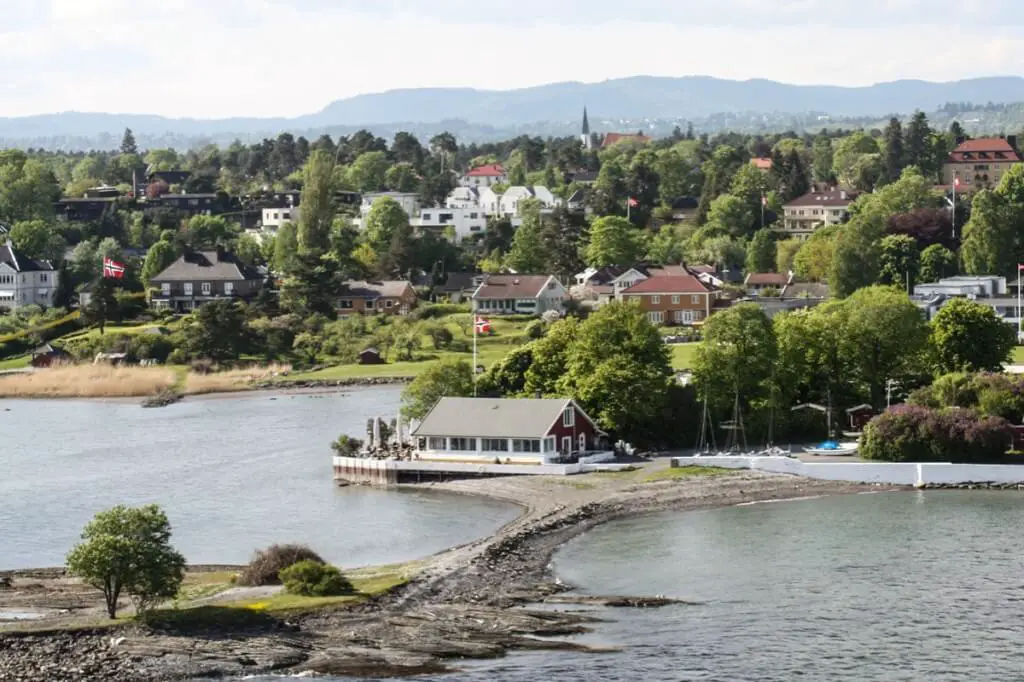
[(274, 218), (514, 196), (463, 197), (485, 176), (24, 281), (511, 431), (409, 201), (519, 295), (465, 221), (489, 201)]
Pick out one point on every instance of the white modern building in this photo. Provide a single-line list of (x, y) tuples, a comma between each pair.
[(466, 221), (512, 199), (274, 218), (24, 281)]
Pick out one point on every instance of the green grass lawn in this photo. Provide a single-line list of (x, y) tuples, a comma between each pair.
[(15, 363), (129, 329), (682, 355), (1017, 357)]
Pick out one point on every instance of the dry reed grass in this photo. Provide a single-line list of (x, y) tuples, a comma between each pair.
[(88, 381), (231, 380)]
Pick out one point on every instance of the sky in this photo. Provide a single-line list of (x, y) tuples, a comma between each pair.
[(225, 58)]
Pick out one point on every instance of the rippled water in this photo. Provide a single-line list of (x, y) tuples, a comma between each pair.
[(901, 586), (233, 474)]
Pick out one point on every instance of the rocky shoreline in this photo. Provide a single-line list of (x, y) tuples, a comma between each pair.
[(460, 606)]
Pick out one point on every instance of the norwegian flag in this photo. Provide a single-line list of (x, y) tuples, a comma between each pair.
[(633, 203), (112, 269), (956, 182), (483, 325)]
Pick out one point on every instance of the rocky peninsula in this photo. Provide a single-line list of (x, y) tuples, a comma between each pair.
[(459, 604)]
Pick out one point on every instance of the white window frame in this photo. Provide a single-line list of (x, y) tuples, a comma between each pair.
[(229, 288), (188, 288), (583, 442), (656, 317), (567, 444), (675, 300), (569, 416), (655, 300), (206, 288), (695, 299)]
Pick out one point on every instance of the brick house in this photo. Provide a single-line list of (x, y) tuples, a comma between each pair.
[(517, 431), (672, 299), (392, 297), (198, 277)]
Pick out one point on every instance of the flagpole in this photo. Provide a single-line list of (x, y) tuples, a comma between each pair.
[(629, 210), (956, 178), (475, 317), (1018, 304)]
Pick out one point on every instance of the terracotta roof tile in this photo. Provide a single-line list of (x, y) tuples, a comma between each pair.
[(668, 284), (493, 170)]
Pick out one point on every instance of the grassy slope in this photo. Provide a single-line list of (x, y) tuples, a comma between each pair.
[(15, 363)]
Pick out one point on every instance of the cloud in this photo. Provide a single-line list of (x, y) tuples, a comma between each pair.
[(282, 58)]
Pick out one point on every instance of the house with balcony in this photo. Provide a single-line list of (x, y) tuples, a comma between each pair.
[(519, 295), (980, 163), (816, 209), (391, 297), (464, 222), (508, 431), (672, 299), (485, 176), (24, 281), (198, 277)]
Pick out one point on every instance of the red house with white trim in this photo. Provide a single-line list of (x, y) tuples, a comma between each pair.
[(485, 176), (509, 430)]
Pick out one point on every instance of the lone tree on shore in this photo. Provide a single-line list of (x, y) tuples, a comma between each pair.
[(127, 550)]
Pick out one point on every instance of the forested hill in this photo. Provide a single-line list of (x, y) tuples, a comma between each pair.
[(655, 104)]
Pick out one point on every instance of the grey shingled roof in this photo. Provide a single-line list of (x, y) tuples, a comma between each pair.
[(386, 289), (21, 263), (207, 266), (512, 287), (492, 417)]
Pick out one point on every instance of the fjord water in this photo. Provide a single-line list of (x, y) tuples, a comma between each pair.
[(894, 586), (233, 474)]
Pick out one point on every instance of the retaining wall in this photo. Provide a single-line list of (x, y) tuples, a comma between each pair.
[(894, 473)]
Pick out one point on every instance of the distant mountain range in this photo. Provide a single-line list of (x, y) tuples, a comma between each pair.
[(493, 114)]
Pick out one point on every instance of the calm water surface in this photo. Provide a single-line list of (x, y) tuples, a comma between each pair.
[(903, 586), (233, 474)]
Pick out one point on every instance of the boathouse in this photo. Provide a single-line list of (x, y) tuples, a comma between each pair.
[(508, 431)]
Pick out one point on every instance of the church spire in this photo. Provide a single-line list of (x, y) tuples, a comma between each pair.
[(586, 123)]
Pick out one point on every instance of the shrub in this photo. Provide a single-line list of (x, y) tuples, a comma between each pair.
[(909, 433), (440, 336), (315, 579), (436, 311), (535, 330), (346, 446), (266, 566), (460, 346)]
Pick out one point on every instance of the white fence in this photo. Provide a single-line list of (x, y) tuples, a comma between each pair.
[(895, 473), (387, 470)]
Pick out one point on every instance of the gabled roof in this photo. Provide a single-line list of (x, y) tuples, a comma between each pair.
[(668, 284), (761, 163), (20, 262), (459, 281), (385, 289), (207, 266), (493, 170), (607, 274), (578, 197), (772, 279), (512, 286), (494, 417)]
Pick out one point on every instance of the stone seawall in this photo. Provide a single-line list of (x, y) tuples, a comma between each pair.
[(922, 475)]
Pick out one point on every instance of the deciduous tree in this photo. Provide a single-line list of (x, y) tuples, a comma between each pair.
[(613, 241), (968, 336), (128, 551), (444, 379), (937, 262)]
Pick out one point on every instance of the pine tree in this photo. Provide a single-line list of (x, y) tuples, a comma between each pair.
[(917, 145), (128, 145), (893, 155)]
